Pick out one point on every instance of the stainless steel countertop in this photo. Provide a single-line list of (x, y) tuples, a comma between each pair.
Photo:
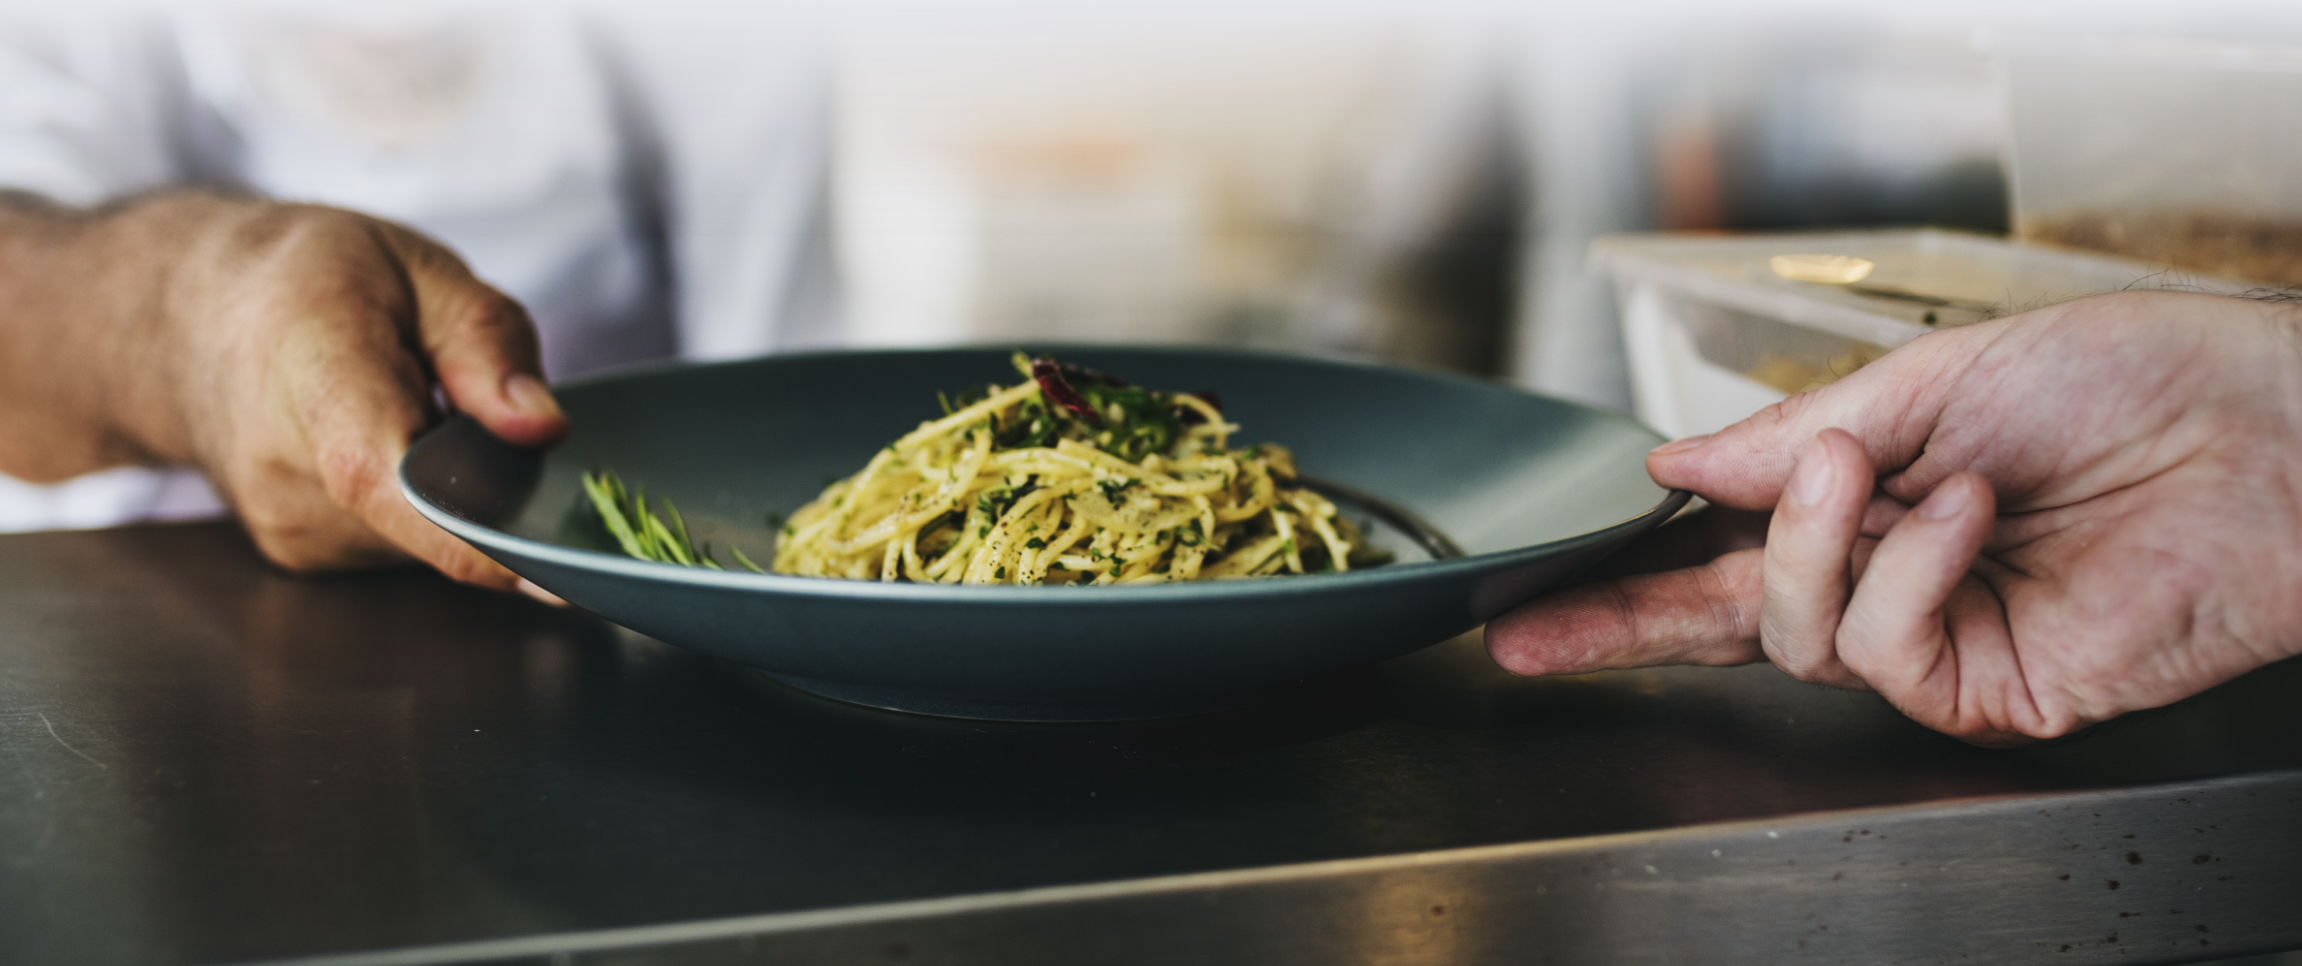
[(204, 761)]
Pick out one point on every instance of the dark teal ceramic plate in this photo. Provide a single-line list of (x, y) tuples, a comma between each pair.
[(1533, 489)]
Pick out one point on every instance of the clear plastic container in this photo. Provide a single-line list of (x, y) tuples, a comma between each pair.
[(1715, 331), (2177, 153)]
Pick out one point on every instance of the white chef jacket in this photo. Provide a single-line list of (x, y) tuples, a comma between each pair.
[(647, 185)]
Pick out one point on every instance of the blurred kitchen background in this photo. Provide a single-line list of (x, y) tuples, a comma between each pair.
[(1417, 182)]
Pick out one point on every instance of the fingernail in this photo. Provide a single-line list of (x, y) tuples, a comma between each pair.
[(529, 395), (1679, 445), (1811, 481), (527, 587), (1946, 501)]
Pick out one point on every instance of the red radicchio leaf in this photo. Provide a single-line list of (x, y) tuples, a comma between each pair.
[(1049, 374)]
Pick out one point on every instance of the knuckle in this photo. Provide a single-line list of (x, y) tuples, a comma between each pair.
[(1610, 615), (496, 322), (482, 310), (316, 216), (289, 222), (262, 229), (490, 306), (326, 219), (352, 475), (421, 251), (474, 329), (1727, 605), (1784, 413), (280, 242)]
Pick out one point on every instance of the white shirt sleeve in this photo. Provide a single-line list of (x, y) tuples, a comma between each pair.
[(83, 106)]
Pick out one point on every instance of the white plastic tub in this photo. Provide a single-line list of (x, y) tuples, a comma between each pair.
[(2176, 151), (1714, 333)]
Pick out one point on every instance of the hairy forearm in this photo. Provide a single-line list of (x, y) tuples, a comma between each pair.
[(82, 323), (51, 413)]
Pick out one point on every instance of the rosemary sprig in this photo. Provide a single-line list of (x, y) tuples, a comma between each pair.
[(644, 535)]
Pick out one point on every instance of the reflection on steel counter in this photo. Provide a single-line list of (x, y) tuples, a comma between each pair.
[(209, 761)]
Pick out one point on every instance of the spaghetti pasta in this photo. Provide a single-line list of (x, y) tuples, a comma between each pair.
[(1070, 477)]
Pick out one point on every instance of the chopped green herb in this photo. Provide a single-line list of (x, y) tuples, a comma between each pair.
[(641, 534)]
